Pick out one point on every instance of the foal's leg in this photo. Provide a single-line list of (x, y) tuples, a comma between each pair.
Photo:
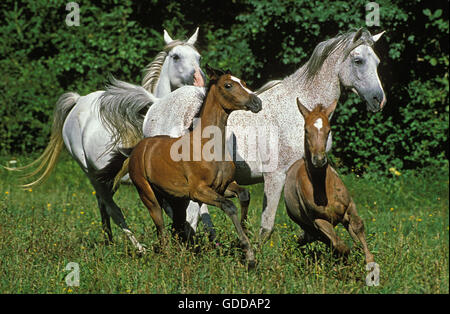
[(330, 237), (148, 197), (243, 195), (179, 224), (207, 195), (355, 226)]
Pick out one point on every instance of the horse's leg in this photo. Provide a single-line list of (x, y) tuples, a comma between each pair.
[(273, 185), (106, 220), (329, 237), (355, 226), (192, 216), (195, 212), (243, 195), (150, 201), (207, 195), (179, 218), (105, 193), (207, 222)]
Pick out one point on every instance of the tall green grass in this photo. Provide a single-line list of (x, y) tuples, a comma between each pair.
[(43, 229)]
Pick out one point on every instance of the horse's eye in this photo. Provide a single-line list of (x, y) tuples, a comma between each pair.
[(176, 57), (228, 85), (358, 61)]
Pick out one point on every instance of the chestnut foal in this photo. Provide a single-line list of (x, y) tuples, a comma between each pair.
[(316, 198), (158, 176)]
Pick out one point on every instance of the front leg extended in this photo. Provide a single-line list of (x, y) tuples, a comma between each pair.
[(207, 195)]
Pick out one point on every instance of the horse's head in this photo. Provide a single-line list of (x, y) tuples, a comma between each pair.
[(317, 128), (183, 62), (358, 71), (232, 93)]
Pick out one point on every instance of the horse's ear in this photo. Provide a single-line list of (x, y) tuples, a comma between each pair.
[(227, 72), (376, 37), (303, 110), (167, 38), (330, 109), (193, 38), (212, 73), (357, 35)]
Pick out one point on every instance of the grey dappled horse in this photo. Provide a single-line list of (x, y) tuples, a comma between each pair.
[(346, 60)]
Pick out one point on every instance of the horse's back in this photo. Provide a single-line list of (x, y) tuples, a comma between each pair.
[(84, 136), (173, 114)]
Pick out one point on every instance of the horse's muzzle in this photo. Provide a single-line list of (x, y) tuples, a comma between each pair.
[(255, 104)]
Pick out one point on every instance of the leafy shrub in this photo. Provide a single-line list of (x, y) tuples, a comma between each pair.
[(41, 57)]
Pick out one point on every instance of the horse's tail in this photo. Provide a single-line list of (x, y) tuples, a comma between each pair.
[(122, 172), (47, 161), (122, 108)]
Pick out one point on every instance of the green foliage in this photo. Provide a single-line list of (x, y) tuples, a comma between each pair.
[(41, 57)]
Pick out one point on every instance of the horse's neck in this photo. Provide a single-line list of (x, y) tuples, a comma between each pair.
[(318, 178), (323, 88), (212, 114), (163, 86)]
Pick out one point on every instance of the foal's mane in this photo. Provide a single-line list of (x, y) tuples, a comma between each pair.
[(324, 49), (153, 70), (207, 90)]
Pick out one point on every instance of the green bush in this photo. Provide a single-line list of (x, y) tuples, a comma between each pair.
[(41, 57)]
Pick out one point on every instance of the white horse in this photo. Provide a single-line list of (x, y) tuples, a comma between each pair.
[(90, 137), (346, 60)]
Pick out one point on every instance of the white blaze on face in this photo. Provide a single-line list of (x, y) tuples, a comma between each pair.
[(318, 124), (233, 78)]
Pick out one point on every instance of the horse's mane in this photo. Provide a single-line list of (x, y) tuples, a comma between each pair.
[(153, 70), (324, 49), (123, 105)]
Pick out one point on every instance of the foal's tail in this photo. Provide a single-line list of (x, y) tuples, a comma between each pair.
[(122, 172), (47, 161)]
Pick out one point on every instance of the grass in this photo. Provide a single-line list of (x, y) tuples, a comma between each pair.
[(43, 229)]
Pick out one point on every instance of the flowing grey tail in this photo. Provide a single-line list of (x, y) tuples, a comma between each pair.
[(47, 161)]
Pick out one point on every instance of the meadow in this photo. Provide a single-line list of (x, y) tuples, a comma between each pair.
[(44, 228)]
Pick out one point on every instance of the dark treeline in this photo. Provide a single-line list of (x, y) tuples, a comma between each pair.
[(42, 57)]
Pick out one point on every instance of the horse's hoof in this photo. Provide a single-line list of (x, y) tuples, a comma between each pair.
[(141, 252), (251, 264), (264, 235)]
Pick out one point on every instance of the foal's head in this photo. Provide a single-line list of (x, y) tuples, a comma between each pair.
[(317, 128), (232, 93)]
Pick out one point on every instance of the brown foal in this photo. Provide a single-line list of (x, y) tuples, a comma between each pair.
[(316, 198), (158, 176)]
